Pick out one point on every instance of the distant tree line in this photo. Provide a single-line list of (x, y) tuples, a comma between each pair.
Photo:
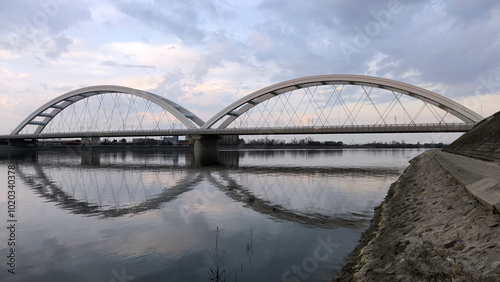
[(269, 142), (308, 141), (294, 142), (395, 144)]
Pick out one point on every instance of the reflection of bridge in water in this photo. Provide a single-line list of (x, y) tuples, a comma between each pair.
[(111, 189)]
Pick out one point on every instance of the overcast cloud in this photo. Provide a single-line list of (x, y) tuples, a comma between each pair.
[(206, 54)]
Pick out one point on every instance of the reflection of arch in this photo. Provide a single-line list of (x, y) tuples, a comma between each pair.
[(155, 203), (244, 104), (239, 193), (47, 188), (58, 104)]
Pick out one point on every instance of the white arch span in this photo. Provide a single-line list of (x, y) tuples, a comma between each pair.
[(58, 104), (244, 104), (50, 109)]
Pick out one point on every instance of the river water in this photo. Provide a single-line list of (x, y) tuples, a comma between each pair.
[(158, 215)]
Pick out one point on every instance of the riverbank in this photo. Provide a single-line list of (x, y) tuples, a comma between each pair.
[(191, 148), (429, 228), (97, 147)]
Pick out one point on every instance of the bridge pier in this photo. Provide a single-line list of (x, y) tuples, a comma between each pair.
[(22, 142), (91, 141), (205, 143), (206, 149)]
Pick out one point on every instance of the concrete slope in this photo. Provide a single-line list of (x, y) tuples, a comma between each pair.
[(482, 141), (481, 179)]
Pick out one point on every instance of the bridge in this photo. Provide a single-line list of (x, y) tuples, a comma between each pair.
[(324, 104)]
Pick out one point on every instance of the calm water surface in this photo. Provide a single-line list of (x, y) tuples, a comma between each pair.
[(149, 215)]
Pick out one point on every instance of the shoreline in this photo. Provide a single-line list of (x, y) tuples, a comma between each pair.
[(191, 148), (427, 228)]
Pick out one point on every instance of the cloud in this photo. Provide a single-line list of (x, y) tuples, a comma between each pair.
[(114, 64), (56, 16), (7, 55), (60, 44), (222, 49), (431, 37), (37, 27), (469, 11), (289, 39), (175, 19)]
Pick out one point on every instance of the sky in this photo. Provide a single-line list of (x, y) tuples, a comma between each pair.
[(206, 54)]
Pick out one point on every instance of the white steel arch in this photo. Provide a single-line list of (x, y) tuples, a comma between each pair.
[(244, 104), (58, 104)]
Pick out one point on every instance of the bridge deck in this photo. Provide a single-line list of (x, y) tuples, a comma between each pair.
[(350, 129)]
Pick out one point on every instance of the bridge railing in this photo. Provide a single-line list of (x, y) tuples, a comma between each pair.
[(344, 129), (379, 128)]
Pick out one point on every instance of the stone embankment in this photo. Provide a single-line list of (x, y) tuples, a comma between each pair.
[(431, 226)]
